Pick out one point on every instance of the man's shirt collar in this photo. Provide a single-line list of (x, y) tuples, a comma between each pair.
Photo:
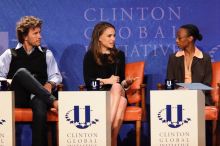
[(19, 45)]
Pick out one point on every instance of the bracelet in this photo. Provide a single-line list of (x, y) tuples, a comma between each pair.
[(125, 85)]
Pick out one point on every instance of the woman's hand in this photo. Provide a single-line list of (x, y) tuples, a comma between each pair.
[(113, 79), (131, 80), (127, 82)]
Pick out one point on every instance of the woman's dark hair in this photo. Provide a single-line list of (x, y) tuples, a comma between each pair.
[(94, 45), (193, 30)]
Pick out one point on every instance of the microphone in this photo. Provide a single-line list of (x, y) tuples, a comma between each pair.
[(116, 66)]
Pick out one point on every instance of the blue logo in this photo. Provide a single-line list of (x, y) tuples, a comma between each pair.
[(166, 116), (2, 121), (73, 117)]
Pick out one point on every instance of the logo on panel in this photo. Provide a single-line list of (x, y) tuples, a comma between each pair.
[(2, 121), (81, 117), (173, 116)]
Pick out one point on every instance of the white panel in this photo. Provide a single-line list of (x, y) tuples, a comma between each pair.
[(98, 132), (7, 135), (189, 123)]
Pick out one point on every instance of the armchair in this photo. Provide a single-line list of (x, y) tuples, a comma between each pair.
[(25, 115), (136, 111), (212, 112)]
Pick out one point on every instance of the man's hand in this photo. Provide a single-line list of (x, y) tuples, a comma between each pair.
[(55, 104), (48, 87)]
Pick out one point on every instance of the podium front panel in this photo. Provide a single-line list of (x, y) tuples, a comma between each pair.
[(7, 137), (84, 118), (177, 118)]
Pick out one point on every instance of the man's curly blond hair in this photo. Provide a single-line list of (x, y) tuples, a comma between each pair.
[(24, 24)]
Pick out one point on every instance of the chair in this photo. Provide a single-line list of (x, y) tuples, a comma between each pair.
[(136, 111), (25, 115), (211, 112), (218, 122)]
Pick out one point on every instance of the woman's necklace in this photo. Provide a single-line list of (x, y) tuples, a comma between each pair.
[(106, 52)]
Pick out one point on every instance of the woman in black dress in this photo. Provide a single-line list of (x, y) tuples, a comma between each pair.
[(105, 63)]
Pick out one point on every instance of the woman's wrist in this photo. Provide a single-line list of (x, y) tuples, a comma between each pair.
[(101, 81)]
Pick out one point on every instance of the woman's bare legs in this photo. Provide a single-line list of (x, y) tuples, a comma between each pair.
[(118, 120), (118, 105), (115, 94)]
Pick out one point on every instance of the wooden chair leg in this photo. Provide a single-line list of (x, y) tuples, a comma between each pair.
[(218, 133), (138, 133), (214, 132), (52, 134), (49, 134), (57, 133)]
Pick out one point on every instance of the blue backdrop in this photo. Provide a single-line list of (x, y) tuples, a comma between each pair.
[(145, 31)]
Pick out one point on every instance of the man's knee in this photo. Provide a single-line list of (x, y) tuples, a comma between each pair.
[(21, 72)]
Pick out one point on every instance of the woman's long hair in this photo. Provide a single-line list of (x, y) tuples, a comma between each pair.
[(94, 45)]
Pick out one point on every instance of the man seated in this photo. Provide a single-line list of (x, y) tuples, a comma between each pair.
[(34, 73)]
